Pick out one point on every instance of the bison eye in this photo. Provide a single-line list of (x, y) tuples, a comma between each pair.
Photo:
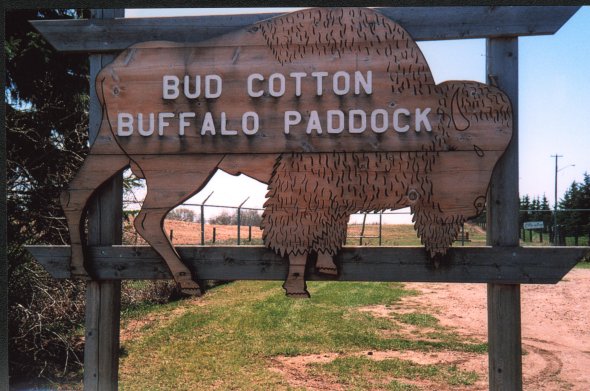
[(479, 202)]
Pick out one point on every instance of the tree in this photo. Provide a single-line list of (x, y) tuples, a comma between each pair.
[(223, 218), (46, 129), (183, 214), (576, 202), (545, 214), (248, 217), (525, 206)]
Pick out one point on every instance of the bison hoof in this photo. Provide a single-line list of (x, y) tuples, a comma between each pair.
[(190, 288), (80, 276), (191, 291), (327, 270), (299, 295)]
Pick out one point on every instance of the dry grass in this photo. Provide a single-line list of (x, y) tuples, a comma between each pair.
[(185, 233)]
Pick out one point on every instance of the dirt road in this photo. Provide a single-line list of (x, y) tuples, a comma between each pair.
[(555, 328)]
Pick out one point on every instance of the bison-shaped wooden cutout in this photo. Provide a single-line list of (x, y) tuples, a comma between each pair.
[(335, 109)]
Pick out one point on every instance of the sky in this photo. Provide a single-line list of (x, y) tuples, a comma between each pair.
[(554, 104)]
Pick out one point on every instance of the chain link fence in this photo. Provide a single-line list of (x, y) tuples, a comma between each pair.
[(204, 224)]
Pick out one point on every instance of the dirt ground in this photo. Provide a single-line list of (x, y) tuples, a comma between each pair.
[(555, 335), (555, 328)]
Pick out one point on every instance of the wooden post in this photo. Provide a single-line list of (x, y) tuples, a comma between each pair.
[(504, 327), (103, 298)]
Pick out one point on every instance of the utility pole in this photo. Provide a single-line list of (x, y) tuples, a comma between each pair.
[(555, 242)]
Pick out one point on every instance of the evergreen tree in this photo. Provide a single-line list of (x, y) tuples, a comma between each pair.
[(525, 205), (535, 205), (546, 215), (46, 129)]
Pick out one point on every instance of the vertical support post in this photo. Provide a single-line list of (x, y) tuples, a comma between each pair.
[(103, 298), (240, 219), (202, 225), (380, 228), (462, 234), (504, 326), (203, 219), (362, 235)]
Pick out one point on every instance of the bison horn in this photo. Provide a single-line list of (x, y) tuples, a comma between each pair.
[(459, 120)]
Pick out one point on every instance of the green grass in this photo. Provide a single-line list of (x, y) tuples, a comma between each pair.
[(583, 265), (359, 372), (417, 319), (227, 342)]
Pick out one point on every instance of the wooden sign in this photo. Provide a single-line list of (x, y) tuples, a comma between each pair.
[(334, 108)]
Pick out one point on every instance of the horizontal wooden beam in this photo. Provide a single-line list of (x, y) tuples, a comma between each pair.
[(423, 23), (507, 265)]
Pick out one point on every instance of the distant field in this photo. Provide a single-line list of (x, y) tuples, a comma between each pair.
[(391, 235)]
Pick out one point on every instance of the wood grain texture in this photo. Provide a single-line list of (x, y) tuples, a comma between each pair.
[(530, 265), (423, 23), (316, 179), (103, 298), (504, 326)]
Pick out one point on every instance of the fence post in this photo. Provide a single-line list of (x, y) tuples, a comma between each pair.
[(214, 233), (249, 233), (103, 298), (504, 326), (203, 219), (380, 227), (240, 218)]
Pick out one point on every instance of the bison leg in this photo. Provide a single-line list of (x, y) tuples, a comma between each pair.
[(437, 230), (295, 283), (325, 264), (166, 190), (95, 171)]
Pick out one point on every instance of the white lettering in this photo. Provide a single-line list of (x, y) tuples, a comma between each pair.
[(255, 120), (330, 126), (298, 76), (124, 124), (187, 82), (352, 128), (314, 123), (291, 118), (182, 124), (272, 85), (140, 128), (224, 130), (367, 83), (384, 120), (209, 79), (170, 85), (319, 76), (341, 75), (251, 92), (422, 117), (162, 123), (396, 115), (208, 126)]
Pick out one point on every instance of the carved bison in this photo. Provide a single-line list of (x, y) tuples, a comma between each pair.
[(315, 180)]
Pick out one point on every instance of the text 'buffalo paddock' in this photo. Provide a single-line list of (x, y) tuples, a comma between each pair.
[(334, 121)]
